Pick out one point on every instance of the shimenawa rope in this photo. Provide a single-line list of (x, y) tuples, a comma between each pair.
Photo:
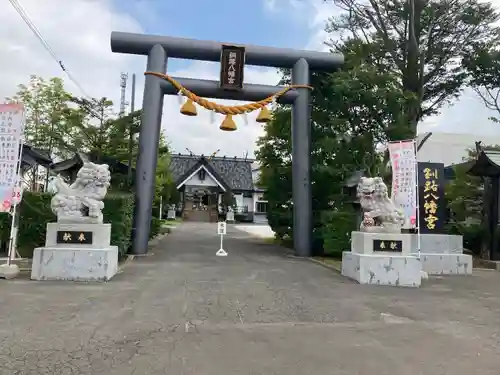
[(223, 109)]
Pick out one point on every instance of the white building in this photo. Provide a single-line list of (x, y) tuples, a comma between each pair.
[(260, 204), (203, 181), (450, 148)]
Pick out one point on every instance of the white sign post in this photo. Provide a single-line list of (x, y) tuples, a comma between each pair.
[(221, 230)]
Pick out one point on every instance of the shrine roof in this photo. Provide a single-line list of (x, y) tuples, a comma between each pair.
[(487, 164), (79, 158), (236, 173), (63, 166), (32, 156)]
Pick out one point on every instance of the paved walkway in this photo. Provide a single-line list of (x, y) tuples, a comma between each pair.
[(258, 311)]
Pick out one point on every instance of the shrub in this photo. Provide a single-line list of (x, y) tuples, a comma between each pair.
[(155, 227), (35, 213), (118, 210), (4, 231), (281, 222), (473, 235), (336, 231)]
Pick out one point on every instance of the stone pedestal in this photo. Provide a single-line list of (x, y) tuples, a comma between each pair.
[(230, 217), (171, 215), (382, 259), (76, 252), (9, 271), (442, 254)]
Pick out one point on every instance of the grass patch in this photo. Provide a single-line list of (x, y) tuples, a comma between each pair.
[(177, 221), (272, 241)]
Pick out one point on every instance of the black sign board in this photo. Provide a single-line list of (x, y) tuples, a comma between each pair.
[(232, 63), (74, 237), (431, 201), (388, 245)]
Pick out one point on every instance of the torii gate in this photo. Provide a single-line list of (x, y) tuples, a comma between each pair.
[(159, 49)]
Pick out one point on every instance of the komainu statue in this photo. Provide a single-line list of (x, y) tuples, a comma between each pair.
[(380, 214), (81, 202)]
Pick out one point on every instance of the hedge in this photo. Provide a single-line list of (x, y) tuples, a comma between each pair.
[(155, 227), (336, 231), (118, 211), (4, 231), (35, 213)]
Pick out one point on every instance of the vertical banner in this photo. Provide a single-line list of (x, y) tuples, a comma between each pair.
[(404, 179), (17, 192), (11, 131), (432, 208)]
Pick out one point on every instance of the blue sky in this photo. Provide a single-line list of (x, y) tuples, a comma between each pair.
[(289, 24), (243, 21), (276, 23)]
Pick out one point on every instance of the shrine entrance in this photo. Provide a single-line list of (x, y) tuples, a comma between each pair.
[(232, 58), (200, 204)]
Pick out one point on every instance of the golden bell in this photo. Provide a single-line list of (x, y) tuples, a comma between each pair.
[(228, 124), (264, 115), (188, 108)]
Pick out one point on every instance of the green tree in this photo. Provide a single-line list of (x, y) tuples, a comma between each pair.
[(97, 130), (228, 200), (46, 106), (466, 196), (164, 179), (123, 139), (61, 124), (483, 64), (92, 121), (46, 109), (352, 112), (419, 41)]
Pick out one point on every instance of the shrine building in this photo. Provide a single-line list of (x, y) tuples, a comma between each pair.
[(204, 181)]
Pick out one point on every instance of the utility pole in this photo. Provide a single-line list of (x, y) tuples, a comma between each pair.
[(123, 88), (130, 133)]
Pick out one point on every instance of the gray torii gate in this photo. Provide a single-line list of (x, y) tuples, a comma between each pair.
[(159, 49)]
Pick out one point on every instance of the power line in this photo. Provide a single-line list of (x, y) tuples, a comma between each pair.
[(24, 15)]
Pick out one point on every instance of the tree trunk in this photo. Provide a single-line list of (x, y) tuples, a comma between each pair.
[(411, 80)]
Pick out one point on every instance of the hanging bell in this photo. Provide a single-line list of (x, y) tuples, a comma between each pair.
[(264, 115), (188, 108), (228, 124)]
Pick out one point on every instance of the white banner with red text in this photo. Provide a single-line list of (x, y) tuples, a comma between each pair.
[(404, 195), (11, 135)]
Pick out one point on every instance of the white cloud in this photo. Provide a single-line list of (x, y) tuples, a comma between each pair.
[(84, 48), (468, 115), (79, 30), (270, 5), (278, 5)]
